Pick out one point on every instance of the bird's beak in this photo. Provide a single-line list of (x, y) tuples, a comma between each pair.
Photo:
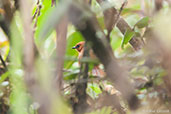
[(74, 47)]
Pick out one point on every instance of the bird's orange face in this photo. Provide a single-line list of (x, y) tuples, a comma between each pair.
[(79, 46)]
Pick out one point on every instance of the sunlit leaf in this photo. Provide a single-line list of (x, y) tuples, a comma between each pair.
[(43, 16), (3, 77), (3, 44), (71, 75), (127, 37), (93, 90), (132, 9), (49, 21), (142, 22)]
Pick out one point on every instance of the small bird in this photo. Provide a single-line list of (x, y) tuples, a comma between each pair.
[(96, 71)]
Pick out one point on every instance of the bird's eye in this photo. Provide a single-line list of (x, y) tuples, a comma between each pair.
[(77, 46)]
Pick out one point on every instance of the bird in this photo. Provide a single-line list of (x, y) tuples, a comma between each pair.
[(96, 71)]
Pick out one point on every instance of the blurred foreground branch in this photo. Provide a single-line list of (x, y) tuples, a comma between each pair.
[(156, 46), (61, 31), (29, 61)]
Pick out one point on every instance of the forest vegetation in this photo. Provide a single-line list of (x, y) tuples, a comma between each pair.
[(85, 57)]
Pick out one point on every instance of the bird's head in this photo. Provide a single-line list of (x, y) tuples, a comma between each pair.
[(79, 46)]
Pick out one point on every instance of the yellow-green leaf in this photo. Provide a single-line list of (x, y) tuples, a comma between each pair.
[(127, 37), (142, 22), (3, 44)]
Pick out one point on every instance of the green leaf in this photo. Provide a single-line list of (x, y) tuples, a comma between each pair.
[(49, 45), (71, 75), (116, 42), (47, 21), (4, 76), (127, 37), (116, 39), (93, 90), (101, 22), (45, 10), (137, 34), (142, 22), (132, 9)]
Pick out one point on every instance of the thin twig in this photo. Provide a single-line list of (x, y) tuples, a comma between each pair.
[(120, 11), (118, 16), (36, 10), (3, 62), (37, 13)]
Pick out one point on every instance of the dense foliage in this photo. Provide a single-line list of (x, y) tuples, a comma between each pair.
[(40, 73)]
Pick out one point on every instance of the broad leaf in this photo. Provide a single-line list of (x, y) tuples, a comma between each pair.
[(127, 37), (142, 22), (71, 75), (93, 90), (4, 76), (48, 21)]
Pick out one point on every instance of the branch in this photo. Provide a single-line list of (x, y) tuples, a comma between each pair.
[(36, 14), (114, 21), (29, 59), (61, 31), (110, 16), (53, 3), (81, 86), (86, 22), (3, 62), (135, 42)]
